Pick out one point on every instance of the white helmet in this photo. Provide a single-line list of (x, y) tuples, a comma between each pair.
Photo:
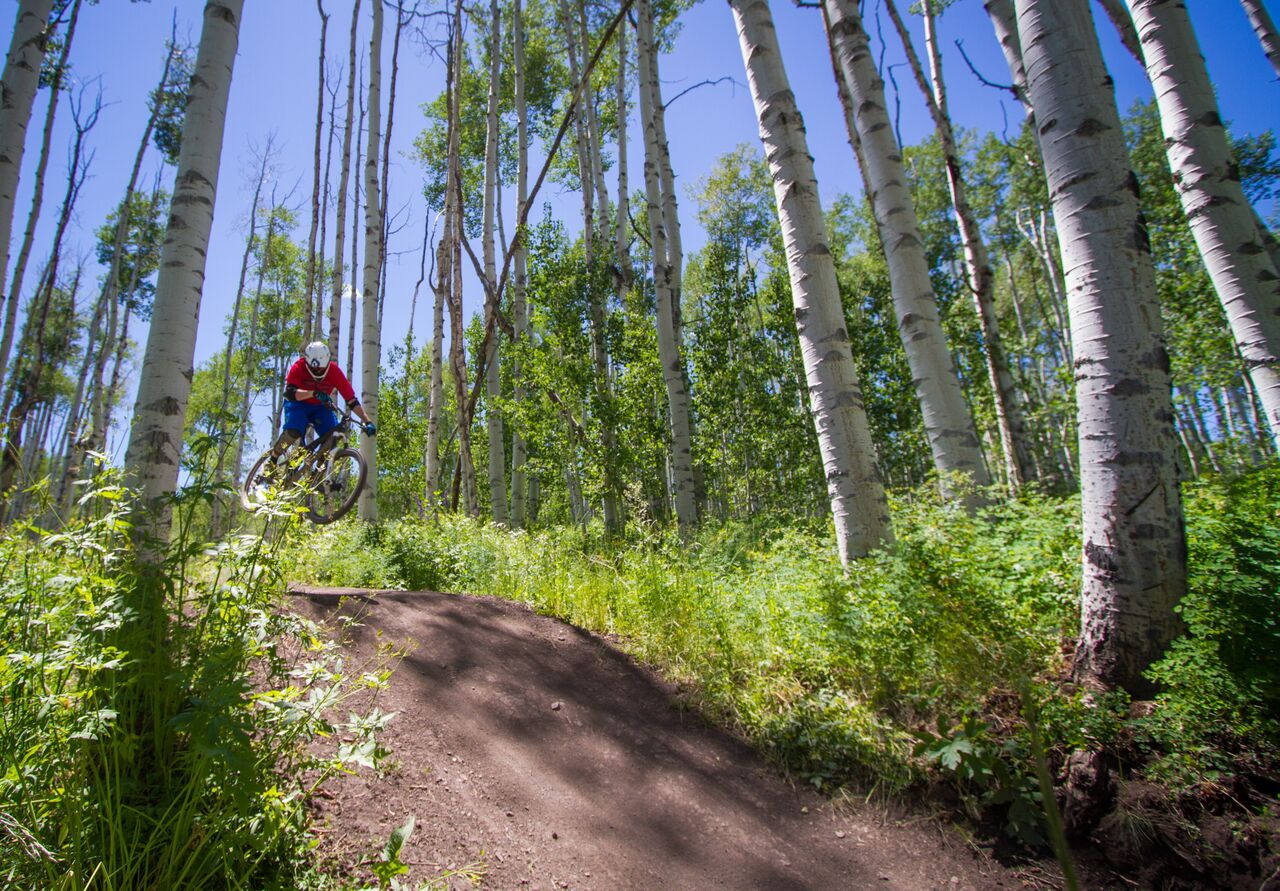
[(316, 355)]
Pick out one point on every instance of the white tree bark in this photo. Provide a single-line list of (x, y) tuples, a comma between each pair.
[(493, 372), (344, 172), (858, 502), (664, 279), (1124, 26), (947, 421), (1134, 548), (980, 277), (1006, 26), (37, 192), (17, 93), (155, 439), (1208, 184), (312, 324), (371, 333), (519, 309), (1265, 27)]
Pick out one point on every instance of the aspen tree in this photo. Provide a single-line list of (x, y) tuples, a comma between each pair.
[(371, 334), (980, 277), (311, 323), (1207, 180), (443, 287), (17, 95), (665, 260), (858, 503), (110, 298), (155, 441), (948, 424), (493, 380), (1265, 27), (219, 472), (355, 225), (37, 192), (1134, 544), (344, 173), (22, 392), (519, 309)]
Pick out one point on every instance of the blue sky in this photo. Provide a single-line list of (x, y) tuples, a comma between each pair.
[(274, 90)]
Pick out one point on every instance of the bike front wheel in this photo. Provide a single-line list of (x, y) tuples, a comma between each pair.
[(260, 478), (336, 486)]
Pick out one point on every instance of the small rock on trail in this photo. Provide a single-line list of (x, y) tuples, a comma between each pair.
[(538, 756)]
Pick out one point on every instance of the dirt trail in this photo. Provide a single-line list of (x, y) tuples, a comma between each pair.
[(542, 754)]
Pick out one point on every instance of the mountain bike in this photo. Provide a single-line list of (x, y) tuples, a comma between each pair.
[(330, 477)]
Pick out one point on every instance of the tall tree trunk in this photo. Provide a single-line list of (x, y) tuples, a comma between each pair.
[(1265, 28), (386, 160), (37, 194), (355, 228), (24, 383), (1134, 552), (335, 307), (1124, 26), (858, 503), (371, 339), (1208, 183), (493, 378), (155, 440), (17, 95), (321, 284), (519, 309), (948, 424), (219, 472), (74, 434), (250, 354), (980, 278), (1003, 19), (465, 472), (94, 438), (591, 229), (664, 279), (311, 323), (443, 287)]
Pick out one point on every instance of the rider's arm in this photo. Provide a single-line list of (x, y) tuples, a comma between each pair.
[(294, 389), (348, 393)]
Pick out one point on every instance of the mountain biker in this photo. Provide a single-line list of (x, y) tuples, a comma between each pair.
[(308, 394)]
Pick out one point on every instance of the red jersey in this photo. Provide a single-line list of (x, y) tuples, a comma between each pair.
[(333, 379)]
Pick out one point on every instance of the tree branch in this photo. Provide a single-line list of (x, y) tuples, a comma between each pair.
[(705, 83), (1008, 88)]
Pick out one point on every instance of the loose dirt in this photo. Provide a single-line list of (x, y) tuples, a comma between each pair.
[(535, 755)]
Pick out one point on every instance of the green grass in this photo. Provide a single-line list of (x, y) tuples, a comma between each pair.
[(916, 663), (161, 727)]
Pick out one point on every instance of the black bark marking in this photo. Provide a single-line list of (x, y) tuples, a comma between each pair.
[(1210, 118), (166, 405), (1100, 557), (1102, 202), (1091, 127)]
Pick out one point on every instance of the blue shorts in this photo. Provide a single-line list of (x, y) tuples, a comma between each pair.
[(297, 415)]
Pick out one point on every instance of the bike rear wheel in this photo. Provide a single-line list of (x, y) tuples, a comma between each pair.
[(336, 486)]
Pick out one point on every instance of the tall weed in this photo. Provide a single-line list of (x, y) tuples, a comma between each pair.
[(158, 726)]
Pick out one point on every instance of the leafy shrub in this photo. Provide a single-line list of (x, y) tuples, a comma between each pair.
[(1221, 681), (828, 671), (158, 724)]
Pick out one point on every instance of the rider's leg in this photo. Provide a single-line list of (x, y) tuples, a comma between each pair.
[(295, 422), (323, 422), (285, 441)]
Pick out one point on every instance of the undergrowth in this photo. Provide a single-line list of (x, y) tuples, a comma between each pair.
[(920, 663), (162, 726)]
